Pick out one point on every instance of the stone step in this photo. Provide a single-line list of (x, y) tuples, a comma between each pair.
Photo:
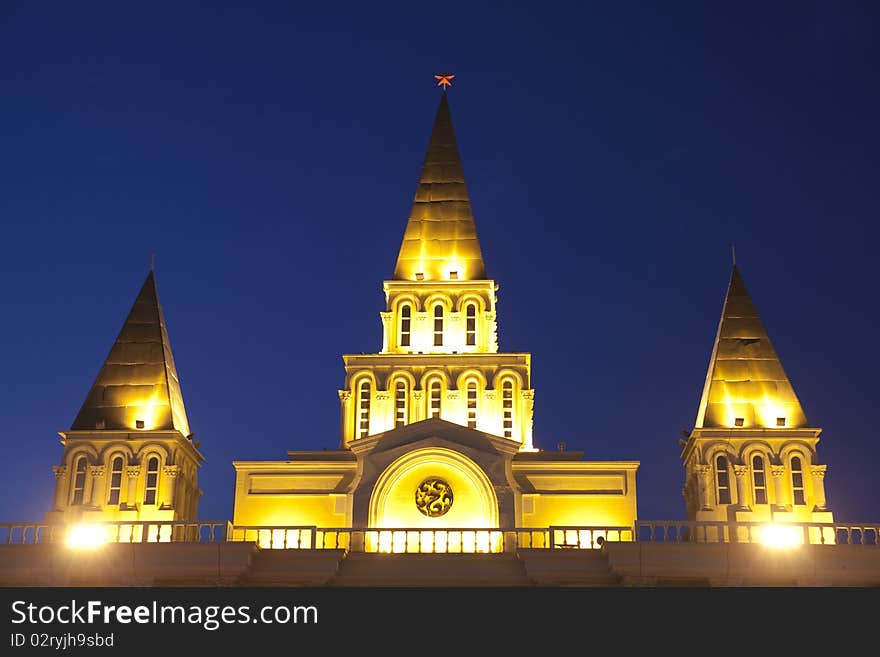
[(431, 570)]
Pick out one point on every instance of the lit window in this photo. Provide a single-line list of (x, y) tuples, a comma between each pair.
[(739, 421), (405, 324), (758, 481), (780, 422), (438, 325), (453, 275), (722, 480), (363, 417), (152, 480), (470, 330), (472, 404), (399, 404), (79, 480), (507, 407), (115, 480), (434, 398), (797, 481)]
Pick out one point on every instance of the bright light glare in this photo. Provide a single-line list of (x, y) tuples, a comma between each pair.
[(86, 537), (781, 536)]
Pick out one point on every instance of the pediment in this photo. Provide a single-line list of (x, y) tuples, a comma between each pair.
[(434, 433)]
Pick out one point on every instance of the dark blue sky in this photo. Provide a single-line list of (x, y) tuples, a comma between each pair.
[(269, 156)]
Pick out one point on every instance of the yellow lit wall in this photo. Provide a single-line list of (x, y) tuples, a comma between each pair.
[(292, 494), (581, 494)]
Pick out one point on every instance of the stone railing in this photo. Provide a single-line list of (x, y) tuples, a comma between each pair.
[(445, 540)]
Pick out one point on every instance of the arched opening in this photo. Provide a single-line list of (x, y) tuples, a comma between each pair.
[(472, 392), (470, 328), (398, 500), (797, 481), (363, 409), (405, 324), (759, 480), (400, 404), (435, 395), (722, 481), (507, 408), (79, 481), (151, 487), (116, 467), (438, 325)]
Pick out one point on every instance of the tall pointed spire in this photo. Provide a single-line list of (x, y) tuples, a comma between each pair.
[(746, 385), (138, 387), (440, 241)]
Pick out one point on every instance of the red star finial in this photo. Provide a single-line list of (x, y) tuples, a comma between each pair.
[(444, 80)]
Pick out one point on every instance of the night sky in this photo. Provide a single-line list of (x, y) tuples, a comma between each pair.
[(269, 157)]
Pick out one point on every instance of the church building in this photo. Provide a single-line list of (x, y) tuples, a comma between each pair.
[(436, 454)]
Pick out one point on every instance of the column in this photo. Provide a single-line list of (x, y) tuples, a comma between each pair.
[(387, 326), (170, 473), (818, 474), (742, 487), (527, 409), (95, 487), (781, 498), (344, 397), (492, 333), (61, 486), (381, 412), (451, 410), (132, 472), (489, 418), (703, 472), (417, 409)]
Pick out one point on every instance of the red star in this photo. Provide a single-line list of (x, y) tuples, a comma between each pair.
[(444, 80)]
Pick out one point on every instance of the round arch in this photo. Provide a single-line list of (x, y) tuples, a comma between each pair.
[(392, 502)]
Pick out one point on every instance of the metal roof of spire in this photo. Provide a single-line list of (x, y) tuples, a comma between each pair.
[(440, 236), (138, 381), (746, 385)]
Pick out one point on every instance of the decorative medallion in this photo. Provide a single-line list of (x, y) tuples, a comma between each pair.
[(433, 497)]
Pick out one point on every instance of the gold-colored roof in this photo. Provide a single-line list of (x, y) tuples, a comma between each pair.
[(440, 241), (746, 385), (138, 382)]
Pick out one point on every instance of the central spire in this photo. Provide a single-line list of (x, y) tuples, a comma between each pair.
[(440, 241)]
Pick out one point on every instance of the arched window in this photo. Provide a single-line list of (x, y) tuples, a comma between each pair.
[(363, 402), (471, 389), (722, 480), (507, 407), (400, 399), (434, 392), (79, 480), (797, 481), (470, 328), (116, 480), (152, 485), (405, 324), (438, 325), (759, 482)]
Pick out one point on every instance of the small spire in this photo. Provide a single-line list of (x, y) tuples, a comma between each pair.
[(733, 252), (153, 261)]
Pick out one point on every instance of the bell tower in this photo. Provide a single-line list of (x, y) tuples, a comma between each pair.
[(752, 455), (129, 454), (439, 355)]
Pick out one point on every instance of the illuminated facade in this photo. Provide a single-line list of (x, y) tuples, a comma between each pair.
[(752, 456), (129, 455), (439, 403), (436, 455)]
